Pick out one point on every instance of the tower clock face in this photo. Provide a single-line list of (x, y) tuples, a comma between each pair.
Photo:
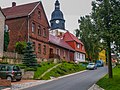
[(57, 21)]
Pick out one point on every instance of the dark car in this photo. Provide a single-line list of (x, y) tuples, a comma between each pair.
[(99, 63), (91, 66), (10, 72)]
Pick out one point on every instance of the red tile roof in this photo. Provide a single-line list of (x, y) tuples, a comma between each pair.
[(71, 37), (59, 42), (19, 11)]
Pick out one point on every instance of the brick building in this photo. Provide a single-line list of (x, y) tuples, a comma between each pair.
[(59, 47), (28, 22), (58, 30)]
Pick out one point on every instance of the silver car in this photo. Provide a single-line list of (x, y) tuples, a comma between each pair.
[(91, 66)]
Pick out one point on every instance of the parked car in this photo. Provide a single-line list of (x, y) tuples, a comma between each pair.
[(91, 66), (10, 72), (99, 63)]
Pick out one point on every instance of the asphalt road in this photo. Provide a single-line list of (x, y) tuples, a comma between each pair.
[(82, 81)]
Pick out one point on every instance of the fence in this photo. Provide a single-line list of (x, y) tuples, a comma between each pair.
[(12, 58)]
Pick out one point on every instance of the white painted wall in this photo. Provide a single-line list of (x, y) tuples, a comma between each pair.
[(79, 57), (2, 24), (56, 32)]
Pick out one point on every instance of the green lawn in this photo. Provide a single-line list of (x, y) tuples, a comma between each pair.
[(64, 69), (111, 84), (44, 66)]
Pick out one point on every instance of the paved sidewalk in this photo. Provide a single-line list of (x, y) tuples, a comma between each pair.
[(95, 87)]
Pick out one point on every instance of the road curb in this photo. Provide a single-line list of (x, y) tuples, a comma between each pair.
[(65, 76), (95, 87), (6, 89)]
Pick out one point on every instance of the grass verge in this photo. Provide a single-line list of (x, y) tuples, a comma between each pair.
[(64, 69), (44, 66), (111, 84)]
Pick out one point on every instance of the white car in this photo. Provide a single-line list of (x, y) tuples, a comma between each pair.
[(91, 66)]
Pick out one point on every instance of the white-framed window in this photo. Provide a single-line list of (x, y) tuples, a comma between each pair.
[(78, 45), (39, 30), (77, 55), (82, 56), (33, 46), (44, 32), (58, 51), (63, 53), (44, 49), (39, 48), (33, 27)]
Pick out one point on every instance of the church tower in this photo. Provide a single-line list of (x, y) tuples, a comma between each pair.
[(57, 21)]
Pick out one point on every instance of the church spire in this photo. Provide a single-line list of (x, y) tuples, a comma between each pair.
[(57, 19), (57, 5)]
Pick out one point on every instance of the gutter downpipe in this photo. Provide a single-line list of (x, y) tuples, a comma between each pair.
[(28, 29)]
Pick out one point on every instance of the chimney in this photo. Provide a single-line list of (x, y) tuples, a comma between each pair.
[(13, 4)]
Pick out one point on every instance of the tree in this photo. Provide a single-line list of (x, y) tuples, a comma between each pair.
[(104, 24), (29, 59), (88, 37), (6, 40), (20, 46), (106, 16)]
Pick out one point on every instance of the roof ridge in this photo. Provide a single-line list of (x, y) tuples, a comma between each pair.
[(34, 8), (71, 35), (2, 12), (21, 5)]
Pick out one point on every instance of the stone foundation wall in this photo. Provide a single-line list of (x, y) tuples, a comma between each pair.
[(28, 75)]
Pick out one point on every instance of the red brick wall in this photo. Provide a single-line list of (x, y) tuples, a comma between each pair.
[(40, 39), (19, 31), (41, 54), (34, 18)]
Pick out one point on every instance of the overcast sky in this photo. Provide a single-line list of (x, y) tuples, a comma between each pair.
[(72, 9)]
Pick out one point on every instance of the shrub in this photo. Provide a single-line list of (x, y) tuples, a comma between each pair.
[(22, 66), (29, 58), (3, 62), (63, 69), (20, 46), (44, 66), (30, 69)]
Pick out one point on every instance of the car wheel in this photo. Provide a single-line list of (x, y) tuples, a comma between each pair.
[(94, 68), (9, 78), (18, 79)]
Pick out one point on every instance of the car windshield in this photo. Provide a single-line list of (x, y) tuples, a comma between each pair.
[(91, 64)]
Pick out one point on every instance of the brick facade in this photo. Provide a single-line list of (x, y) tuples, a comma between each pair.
[(21, 29), (17, 31), (29, 23)]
